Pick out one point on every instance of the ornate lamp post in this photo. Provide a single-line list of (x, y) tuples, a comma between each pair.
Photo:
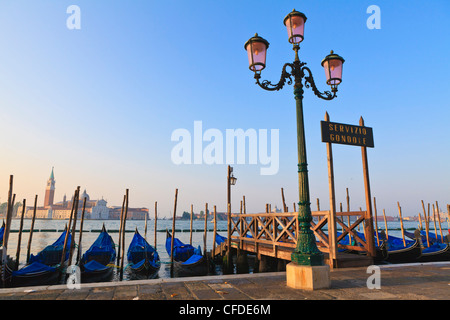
[(306, 252), (231, 181)]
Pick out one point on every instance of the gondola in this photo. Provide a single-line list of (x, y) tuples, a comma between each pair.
[(435, 252), (397, 252), (33, 274), (392, 249), (187, 261), (42, 269), (380, 249), (143, 259), (97, 263)]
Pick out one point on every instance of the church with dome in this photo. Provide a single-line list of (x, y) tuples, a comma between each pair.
[(95, 209)]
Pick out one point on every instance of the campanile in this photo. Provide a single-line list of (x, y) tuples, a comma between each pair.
[(50, 191)]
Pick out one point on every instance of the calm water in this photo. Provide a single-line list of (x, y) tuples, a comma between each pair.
[(92, 228)]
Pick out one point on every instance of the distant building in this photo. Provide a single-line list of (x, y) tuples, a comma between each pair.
[(132, 213), (94, 209), (50, 191)]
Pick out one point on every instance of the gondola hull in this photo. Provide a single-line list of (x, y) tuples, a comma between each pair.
[(405, 255), (187, 261), (43, 276), (101, 275), (443, 254), (199, 268), (37, 279), (144, 270)]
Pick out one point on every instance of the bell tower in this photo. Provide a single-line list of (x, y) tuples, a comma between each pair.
[(50, 191)]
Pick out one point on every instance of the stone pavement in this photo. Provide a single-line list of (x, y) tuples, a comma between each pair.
[(397, 282)]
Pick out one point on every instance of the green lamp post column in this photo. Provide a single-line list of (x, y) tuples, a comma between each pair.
[(306, 252)]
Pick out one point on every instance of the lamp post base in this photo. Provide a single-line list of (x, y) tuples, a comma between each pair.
[(308, 277), (315, 259)]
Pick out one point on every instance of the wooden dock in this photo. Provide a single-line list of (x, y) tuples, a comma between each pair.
[(273, 235)]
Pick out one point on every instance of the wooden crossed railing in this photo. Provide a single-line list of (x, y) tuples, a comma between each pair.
[(276, 232)]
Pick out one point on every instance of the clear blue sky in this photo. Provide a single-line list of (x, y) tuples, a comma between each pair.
[(100, 103)]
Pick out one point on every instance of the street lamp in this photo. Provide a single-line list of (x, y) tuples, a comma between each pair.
[(306, 252), (295, 24), (231, 181), (256, 49)]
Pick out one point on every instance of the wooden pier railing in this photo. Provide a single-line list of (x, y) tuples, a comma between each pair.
[(274, 234)]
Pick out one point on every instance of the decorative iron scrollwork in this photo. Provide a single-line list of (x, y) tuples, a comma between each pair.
[(298, 70), (309, 82), (267, 85)]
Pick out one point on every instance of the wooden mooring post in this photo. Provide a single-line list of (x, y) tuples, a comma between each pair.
[(439, 221), (9, 212), (66, 239), (173, 232), (125, 213), (190, 229), (426, 223), (368, 225), (332, 215), (214, 234), (434, 221), (19, 240), (156, 222), (79, 251), (32, 229), (401, 223), (119, 250)]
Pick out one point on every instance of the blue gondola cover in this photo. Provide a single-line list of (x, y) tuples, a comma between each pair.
[(182, 252), (140, 249), (102, 249), (35, 267), (193, 259), (435, 248), (93, 266), (51, 254), (220, 239)]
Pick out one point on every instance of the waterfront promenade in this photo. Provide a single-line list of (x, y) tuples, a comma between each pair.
[(398, 282)]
